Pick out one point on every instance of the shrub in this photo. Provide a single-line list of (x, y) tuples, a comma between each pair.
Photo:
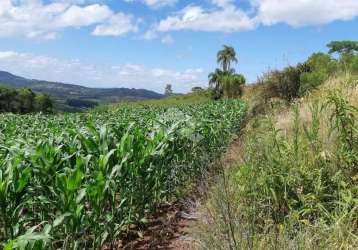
[(354, 66), (233, 85), (311, 80), (284, 84)]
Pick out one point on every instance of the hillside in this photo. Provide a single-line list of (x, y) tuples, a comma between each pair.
[(70, 97), (290, 179)]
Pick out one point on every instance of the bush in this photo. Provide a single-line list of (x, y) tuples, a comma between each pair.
[(311, 80), (322, 62), (233, 85), (284, 84), (354, 66)]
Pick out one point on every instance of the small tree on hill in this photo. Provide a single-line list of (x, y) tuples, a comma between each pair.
[(346, 49), (168, 90), (343, 47)]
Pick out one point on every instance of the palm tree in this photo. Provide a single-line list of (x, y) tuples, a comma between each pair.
[(214, 78), (225, 57), (215, 82)]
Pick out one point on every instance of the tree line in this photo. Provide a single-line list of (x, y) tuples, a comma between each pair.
[(290, 82), (22, 101), (294, 81)]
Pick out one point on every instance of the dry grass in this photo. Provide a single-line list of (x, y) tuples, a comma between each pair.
[(224, 224)]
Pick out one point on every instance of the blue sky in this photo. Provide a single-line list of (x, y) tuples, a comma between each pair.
[(150, 43)]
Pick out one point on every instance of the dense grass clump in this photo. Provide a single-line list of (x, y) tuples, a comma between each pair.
[(77, 181), (295, 183)]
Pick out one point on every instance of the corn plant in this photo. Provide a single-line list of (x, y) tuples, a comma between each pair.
[(78, 181)]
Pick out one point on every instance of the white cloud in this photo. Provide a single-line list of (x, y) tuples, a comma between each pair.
[(224, 18), (155, 3), (305, 12), (117, 25), (167, 39), (94, 75), (76, 16), (36, 19)]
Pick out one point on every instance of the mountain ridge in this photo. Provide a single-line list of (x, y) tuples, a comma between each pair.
[(72, 97)]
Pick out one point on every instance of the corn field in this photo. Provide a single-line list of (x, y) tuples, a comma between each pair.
[(78, 181)]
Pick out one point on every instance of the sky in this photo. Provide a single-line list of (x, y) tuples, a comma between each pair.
[(151, 43)]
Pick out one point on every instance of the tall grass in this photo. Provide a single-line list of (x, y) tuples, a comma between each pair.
[(296, 187)]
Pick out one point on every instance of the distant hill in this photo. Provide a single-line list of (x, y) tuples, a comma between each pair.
[(70, 97)]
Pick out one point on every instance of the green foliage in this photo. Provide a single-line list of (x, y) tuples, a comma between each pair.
[(354, 66), (293, 82), (225, 57), (196, 89), (81, 97), (224, 82), (343, 47), (23, 101), (43, 103), (291, 182), (215, 83), (294, 188), (321, 66), (232, 85), (321, 62), (284, 84), (80, 180), (311, 80)]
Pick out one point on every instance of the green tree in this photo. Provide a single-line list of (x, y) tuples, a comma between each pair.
[(321, 62), (27, 100), (224, 81), (232, 85), (215, 83), (225, 57), (343, 47), (8, 100), (44, 103), (168, 91)]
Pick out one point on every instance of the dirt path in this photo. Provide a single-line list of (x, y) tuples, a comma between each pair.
[(167, 229), (170, 227)]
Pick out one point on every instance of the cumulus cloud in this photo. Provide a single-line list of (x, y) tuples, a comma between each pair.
[(155, 3), (117, 25), (36, 19), (94, 75), (305, 12), (226, 16)]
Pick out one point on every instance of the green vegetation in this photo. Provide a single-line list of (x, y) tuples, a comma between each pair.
[(72, 98), (196, 97), (23, 101), (77, 181), (343, 47), (294, 181), (225, 82), (295, 81)]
